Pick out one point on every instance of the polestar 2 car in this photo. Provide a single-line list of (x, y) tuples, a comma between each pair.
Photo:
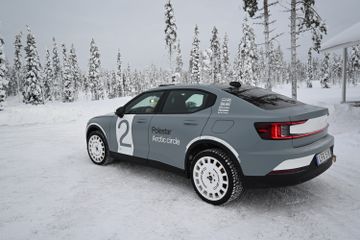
[(221, 137)]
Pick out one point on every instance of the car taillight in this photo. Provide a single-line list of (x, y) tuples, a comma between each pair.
[(280, 130)]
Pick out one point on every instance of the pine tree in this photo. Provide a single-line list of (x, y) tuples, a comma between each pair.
[(57, 72), (238, 65), (277, 65), (309, 70), (127, 81), (251, 6), (170, 30), (179, 62), (206, 68), (3, 81), (216, 56), (225, 58), (325, 72), (249, 55), (75, 71), (68, 85), (85, 85), (336, 69), (18, 80), (119, 77), (32, 86), (113, 84), (48, 78), (96, 87), (195, 58), (354, 64)]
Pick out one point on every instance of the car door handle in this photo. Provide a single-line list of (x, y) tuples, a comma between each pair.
[(141, 121), (190, 123)]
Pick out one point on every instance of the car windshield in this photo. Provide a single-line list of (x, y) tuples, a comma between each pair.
[(263, 98)]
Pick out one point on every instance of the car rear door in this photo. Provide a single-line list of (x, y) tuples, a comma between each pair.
[(181, 119)]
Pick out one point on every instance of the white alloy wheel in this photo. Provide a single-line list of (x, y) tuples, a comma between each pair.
[(210, 178), (96, 148)]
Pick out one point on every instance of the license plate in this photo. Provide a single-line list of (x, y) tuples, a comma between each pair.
[(323, 156)]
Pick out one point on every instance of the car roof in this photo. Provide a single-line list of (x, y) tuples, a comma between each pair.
[(206, 87)]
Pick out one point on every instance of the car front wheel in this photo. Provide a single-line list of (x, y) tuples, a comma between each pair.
[(97, 148), (215, 177)]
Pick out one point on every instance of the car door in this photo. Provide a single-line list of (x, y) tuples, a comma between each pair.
[(132, 129), (182, 118)]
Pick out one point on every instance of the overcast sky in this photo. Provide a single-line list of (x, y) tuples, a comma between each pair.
[(136, 27)]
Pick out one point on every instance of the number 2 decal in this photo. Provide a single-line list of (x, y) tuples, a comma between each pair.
[(121, 140), (124, 137)]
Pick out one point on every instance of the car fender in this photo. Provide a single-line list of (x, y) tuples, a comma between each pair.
[(215, 141)]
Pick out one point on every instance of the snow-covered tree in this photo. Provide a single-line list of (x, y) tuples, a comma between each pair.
[(195, 58), (309, 70), (96, 87), (75, 71), (85, 84), (336, 68), (251, 6), (179, 62), (3, 81), (225, 58), (277, 65), (216, 56), (119, 77), (170, 30), (18, 74), (325, 72), (57, 72), (113, 84), (48, 78), (68, 80), (354, 63), (238, 65), (32, 85), (249, 54), (206, 68)]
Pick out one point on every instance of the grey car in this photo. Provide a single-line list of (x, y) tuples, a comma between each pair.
[(224, 138)]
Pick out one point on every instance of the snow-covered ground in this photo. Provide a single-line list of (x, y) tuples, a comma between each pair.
[(49, 189)]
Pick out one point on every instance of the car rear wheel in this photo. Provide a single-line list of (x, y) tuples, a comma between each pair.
[(215, 177), (97, 148)]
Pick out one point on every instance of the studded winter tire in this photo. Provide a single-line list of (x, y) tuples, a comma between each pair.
[(215, 177)]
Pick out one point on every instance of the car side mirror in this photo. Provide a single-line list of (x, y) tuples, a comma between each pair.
[(120, 112)]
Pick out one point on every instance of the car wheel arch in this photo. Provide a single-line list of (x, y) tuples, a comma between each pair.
[(203, 144), (94, 127)]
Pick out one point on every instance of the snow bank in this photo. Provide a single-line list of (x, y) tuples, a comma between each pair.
[(56, 112), (49, 189)]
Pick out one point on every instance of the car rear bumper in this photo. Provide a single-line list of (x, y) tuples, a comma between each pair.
[(262, 163), (291, 176)]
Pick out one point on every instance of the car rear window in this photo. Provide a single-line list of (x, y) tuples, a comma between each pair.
[(263, 98)]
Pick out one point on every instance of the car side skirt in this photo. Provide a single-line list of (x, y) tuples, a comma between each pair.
[(147, 162)]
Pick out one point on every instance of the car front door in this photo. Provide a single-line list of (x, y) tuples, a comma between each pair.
[(132, 129), (181, 119)]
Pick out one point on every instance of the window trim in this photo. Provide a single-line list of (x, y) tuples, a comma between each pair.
[(210, 101)]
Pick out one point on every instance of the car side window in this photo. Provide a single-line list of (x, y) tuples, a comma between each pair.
[(185, 101), (144, 104)]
